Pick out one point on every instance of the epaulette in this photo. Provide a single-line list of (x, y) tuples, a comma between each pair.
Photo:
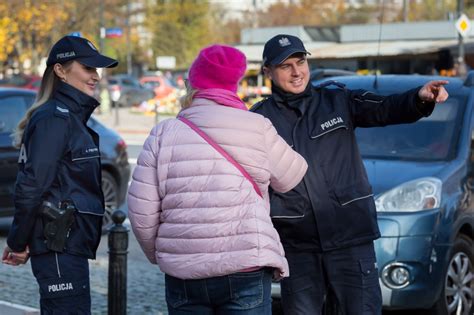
[(330, 82), (61, 112), (258, 104)]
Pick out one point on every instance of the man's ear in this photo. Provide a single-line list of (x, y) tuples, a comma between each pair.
[(267, 72)]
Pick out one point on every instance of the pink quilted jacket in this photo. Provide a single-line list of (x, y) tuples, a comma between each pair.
[(192, 211)]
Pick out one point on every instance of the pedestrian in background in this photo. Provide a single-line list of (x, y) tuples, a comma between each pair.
[(328, 222), (58, 198), (198, 201)]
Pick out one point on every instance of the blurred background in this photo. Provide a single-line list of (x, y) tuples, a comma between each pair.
[(422, 174), (156, 40)]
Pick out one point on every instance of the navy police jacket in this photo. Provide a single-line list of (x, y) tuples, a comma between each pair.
[(333, 206), (59, 160)]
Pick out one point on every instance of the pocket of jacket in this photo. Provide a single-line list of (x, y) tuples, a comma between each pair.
[(84, 154), (287, 206), (328, 125), (358, 191)]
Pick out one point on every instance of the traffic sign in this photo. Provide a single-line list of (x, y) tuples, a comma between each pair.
[(113, 32), (463, 25)]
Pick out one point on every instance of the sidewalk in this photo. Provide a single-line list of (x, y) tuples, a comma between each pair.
[(7, 308), (133, 127)]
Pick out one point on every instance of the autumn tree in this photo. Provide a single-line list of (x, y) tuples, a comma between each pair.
[(431, 10), (180, 28), (8, 29), (29, 28)]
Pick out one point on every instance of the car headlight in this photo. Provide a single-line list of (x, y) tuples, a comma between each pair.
[(416, 195)]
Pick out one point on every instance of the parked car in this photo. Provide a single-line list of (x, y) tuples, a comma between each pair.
[(126, 91), (422, 176), (115, 168), (30, 82), (321, 73), (161, 86)]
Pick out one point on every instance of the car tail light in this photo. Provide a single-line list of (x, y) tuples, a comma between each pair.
[(121, 145)]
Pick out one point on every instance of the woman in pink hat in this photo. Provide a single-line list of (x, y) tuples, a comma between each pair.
[(198, 202)]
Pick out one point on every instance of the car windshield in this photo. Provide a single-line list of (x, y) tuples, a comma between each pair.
[(431, 138), (12, 109)]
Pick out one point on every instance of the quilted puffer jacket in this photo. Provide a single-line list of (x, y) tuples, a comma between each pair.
[(192, 211)]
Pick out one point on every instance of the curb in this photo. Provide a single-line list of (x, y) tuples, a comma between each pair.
[(7, 308)]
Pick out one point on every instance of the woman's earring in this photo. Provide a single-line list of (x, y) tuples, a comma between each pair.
[(63, 79)]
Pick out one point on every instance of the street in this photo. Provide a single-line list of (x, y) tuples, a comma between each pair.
[(145, 283)]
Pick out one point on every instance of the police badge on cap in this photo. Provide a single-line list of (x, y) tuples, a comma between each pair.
[(79, 49), (280, 47)]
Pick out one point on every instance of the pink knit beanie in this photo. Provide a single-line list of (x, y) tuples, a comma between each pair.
[(217, 67)]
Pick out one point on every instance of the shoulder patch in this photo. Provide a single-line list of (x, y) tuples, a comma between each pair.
[(61, 112), (367, 96), (329, 83)]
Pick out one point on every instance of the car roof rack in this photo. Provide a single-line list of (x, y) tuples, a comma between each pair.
[(469, 79)]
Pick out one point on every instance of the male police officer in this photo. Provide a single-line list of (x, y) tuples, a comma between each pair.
[(328, 222)]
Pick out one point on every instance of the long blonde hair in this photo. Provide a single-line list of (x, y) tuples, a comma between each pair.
[(49, 84), (186, 100)]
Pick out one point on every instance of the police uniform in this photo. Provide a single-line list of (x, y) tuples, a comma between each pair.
[(327, 223), (60, 162)]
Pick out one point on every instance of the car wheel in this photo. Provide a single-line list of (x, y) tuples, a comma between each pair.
[(457, 296), (110, 189)]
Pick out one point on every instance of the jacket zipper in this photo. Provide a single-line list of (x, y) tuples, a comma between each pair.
[(293, 146)]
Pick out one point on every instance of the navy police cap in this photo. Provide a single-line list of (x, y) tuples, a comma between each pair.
[(79, 49), (280, 47)]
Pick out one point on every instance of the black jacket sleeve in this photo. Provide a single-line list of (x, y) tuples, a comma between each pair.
[(371, 110), (45, 143)]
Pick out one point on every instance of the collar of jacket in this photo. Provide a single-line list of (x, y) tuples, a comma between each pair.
[(296, 101), (78, 102)]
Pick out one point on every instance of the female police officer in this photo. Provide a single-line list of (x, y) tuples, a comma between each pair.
[(58, 198)]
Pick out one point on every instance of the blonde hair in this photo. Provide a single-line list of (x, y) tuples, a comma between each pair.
[(49, 84), (186, 100)]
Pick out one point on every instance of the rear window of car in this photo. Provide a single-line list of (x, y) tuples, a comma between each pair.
[(130, 82), (12, 109), (431, 138), (151, 84)]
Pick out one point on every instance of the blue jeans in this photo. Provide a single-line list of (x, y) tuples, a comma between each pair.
[(63, 281), (349, 274), (240, 293)]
